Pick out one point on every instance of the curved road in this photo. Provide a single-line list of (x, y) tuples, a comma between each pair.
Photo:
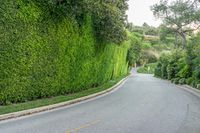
[(143, 104)]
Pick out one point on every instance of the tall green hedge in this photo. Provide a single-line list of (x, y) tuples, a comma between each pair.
[(42, 57)]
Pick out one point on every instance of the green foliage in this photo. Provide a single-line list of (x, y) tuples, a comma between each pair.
[(145, 29), (148, 56), (189, 80), (157, 71), (54, 100), (182, 66), (134, 50), (198, 86), (108, 17), (193, 58), (136, 29), (176, 62), (151, 47), (148, 68), (46, 53), (178, 15), (146, 45), (161, 69), (149, 30), (175, 80), (166, 34), (182, 81)]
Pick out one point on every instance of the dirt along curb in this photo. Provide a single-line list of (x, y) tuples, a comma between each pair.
[(58, 105)]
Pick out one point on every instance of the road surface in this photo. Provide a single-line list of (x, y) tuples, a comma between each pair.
[(143, 104)]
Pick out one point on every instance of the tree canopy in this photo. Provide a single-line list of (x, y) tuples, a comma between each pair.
[(108, 17), (180, 16)]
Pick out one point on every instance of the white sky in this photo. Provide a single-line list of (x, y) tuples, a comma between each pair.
[(139, 12)]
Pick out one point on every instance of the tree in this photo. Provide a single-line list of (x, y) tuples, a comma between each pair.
[(109, 20), (181, 16), (134, 51), (149, 30), (164, 33), (108, 16), (129, 26)]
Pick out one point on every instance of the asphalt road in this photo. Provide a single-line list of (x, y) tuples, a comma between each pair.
[(143, 104)]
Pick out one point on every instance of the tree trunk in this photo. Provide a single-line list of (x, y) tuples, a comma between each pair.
[(176, 40), (184, 41)]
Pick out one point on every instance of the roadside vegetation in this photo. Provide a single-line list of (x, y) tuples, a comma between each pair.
[(182, 19), (174, 45), (60, 47), (182, 66), (147, 68), (57, 99), (57, 50), (146, 47)]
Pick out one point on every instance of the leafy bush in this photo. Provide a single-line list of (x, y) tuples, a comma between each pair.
[(198, 86), (157, 71), (148, 68), (182, 81), (176, 80), (146, 45), (134, 51), (175, 64), (184, 72), (108, 17), (182, 66), (195, 83), (164, 61), (189, 80)]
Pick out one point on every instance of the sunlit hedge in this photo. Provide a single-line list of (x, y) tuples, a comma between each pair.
[(42, 57)]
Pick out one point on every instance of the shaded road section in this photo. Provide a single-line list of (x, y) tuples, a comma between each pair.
[(143, 104)]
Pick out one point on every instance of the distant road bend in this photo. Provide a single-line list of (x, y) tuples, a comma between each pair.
[(143, 104)]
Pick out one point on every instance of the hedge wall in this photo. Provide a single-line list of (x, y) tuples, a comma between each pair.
[(42, 57)]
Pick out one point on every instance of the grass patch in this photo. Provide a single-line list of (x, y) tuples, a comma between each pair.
[(147, 69), (58, 99)]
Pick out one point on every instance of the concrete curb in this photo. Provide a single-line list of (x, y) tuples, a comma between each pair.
[(58, 105), (190, 89), (185, 87)]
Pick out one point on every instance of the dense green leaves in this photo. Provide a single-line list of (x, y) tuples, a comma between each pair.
[(48, 49), (108, 17), (181, 16), (134, 51), (182, 66), (109, 20)]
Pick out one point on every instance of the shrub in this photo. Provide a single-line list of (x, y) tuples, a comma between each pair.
[(157, 71), (172, 80), (147, 57), (146, 45), (134, 51), (164, 61), (182, 81), (148, 68), (182, 64), (195, 83), (176, 80), (198, 86), (189, 80)]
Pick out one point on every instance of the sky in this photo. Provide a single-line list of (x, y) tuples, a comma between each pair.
[(139, 12)]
